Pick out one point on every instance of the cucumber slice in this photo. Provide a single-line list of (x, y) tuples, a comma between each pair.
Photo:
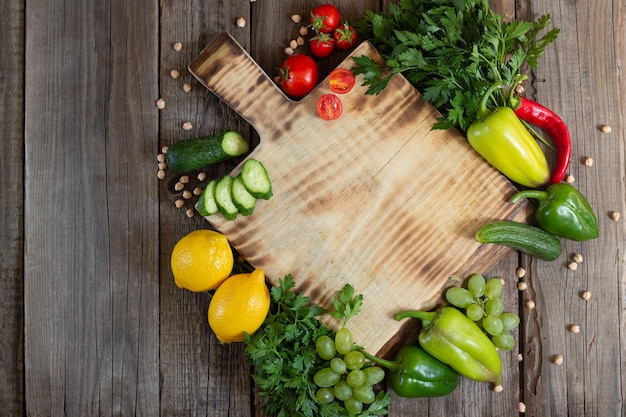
[(255, 179), (242, 198), (206, 203), (224, 199)]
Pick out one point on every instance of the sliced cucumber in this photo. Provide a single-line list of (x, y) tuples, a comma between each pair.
[(242, 198), (255, 179), (191, 154), (206, 203), (224, 199)]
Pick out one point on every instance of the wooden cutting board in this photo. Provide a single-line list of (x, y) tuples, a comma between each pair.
[(375, 198)]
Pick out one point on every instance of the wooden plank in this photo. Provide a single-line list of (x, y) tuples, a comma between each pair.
[(12, 208), (199, 376), (580, 78), (91, 286)]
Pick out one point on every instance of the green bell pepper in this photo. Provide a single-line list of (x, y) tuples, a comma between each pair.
[(502, 140), (563, 211), (448, 335), (415, 373)]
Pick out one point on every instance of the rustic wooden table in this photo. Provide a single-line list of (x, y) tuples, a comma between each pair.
[(90, 320)]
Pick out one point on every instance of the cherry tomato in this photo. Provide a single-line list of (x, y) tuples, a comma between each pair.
[(329, 107), (298, 75), (345, 36), (325, 18), (341, 80), (322, 45)]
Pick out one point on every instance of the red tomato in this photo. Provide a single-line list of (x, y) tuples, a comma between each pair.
[(345, 36), (341, 80), (329, 107), (325, 18), (298, 75), (322, 45)]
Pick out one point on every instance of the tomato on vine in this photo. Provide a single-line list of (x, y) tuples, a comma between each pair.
[(345, 36), (325, 18), (322, 45), (298, 75)]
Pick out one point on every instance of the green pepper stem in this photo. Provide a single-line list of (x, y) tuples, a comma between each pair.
[(537, 194), (427, 317), (483, 111), (391, 365), (514, 100)]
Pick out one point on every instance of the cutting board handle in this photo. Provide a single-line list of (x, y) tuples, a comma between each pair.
[(227, 70)]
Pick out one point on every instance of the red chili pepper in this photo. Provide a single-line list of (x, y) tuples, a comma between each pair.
[(544, 118)]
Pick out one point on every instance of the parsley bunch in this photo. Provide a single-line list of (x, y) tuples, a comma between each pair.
[(283, 354), (452, 51)]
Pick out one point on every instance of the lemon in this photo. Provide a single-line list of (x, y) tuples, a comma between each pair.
[(239, 305), (201, 260)]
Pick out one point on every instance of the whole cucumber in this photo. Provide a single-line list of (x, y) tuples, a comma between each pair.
[(191, 154), (523, 237)]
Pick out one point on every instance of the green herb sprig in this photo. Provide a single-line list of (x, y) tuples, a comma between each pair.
[(451, 51)]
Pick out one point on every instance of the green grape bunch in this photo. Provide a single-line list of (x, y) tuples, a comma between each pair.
[(481, 301)]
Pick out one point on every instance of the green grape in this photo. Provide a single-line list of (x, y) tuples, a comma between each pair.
[(326, 377), (494, 307), (459, 297), (355, 378), (493, 325), (338, 365), (476, 285), (325, 347), (474, 312), (364, 393), (354, 360), (374, 375), (343, 341), (493, 288), (342, 390), (353, 406), (325, 395), (504, 341), (509, 321)]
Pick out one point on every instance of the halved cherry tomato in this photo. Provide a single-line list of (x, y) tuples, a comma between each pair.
[(298, 75), (325, 18), (345, 36), (329, 107), (341, 80), (322, 45)]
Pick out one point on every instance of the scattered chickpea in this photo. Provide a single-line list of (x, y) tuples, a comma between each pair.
[(187, 126), (520, 272), (288, 51), (520, 357), (201, 176), (161, 157), (179, 186), (498, 388), (530, 304), (572, 266), (197, 191), (160, 103), (184, 179), (304, 31), (588, 161), (293, 44), (164, 149), (174, 74), (503, 281), (189, 213), (574, 328), (614, 215), (606, 129), (186, 194), (522, 407), (187, 87), (177, 46), (578, 258), (296, 18), (252, 1), (570, 179), (557, 360), (179, 203), (522, 286), (162, 165), (586, 295), (241, 22), (160, 174), (300, 41)]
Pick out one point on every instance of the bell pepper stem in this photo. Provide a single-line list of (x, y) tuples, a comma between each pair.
[(537, 194), (391, 365), (427, 317), (483, 111)]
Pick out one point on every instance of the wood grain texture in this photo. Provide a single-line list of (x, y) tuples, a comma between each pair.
[(12, 208), (360, 199)]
